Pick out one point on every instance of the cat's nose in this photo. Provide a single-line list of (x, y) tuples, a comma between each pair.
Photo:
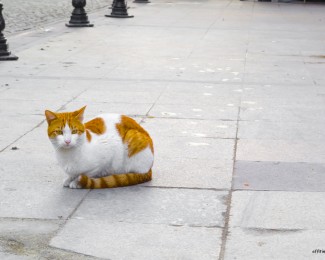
[(67, 141)]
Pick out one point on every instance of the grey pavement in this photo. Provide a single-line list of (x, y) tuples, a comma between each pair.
[(233, 95)]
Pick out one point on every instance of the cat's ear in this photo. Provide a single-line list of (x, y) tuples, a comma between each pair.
[(79, 114), (50, 116)]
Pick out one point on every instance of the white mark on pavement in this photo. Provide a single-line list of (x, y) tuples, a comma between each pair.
[(222, 126), (168, 113), (249, 102), (199, 135), (198, 144)]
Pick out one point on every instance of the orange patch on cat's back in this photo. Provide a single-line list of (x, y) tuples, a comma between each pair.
[(96, 126), (134, 135)]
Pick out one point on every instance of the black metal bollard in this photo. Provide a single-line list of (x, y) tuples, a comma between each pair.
[(79, 16), (141, 1), (113, 3), (4, 53), (119, 10)]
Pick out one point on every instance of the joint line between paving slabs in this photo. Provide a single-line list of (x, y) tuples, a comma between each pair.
[(72, 99), (62, 107), (31, 130), (126, 79), (224, 235), (182, 188), (154, 103), (70, 215), (77, 253), (78, 205)]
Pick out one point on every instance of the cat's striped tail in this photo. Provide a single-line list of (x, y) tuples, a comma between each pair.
[(114, 181)]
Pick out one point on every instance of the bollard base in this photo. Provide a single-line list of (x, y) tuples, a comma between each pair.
[(141, 1), (126, 8), (79, 25), (9, 57), (119, 16)]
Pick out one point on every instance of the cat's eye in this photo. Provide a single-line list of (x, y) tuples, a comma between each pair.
[(74, 131), (59, 132)]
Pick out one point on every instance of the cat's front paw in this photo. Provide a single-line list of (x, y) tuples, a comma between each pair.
[(75, 184), (67, 182)]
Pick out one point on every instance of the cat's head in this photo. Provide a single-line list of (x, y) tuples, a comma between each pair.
[(65, 130)]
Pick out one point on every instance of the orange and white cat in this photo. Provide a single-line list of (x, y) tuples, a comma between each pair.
[(108, 151)]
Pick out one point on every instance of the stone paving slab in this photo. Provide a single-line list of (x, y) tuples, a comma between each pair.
[(286, 151), (166, 127), (30, 193), (222, 67), (198, 173), (110, 85), (46, 89), (179, 207), (23, 123), (203, 71), (26, 229), (207, 98), (124, 219), (138, 241), (316, 69), (96, 108), (276, 92), (194, 148), (37, 199), (222, 112), (116, 96), (278, 210), (290, 113), (219, 90), (48, 170), (250, 244), (29, 239), (280, 130), (282, 176), (275, 225), (44, 53), (62, 71), (307, 101), (26, 107)]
